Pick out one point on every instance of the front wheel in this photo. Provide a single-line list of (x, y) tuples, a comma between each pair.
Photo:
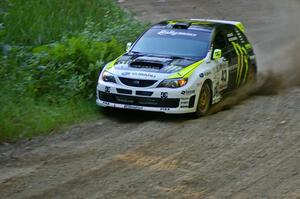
[(204, 101)]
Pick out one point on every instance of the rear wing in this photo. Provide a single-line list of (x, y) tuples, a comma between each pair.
[(238, 24)]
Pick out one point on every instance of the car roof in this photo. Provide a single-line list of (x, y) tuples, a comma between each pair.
[(198, 24)]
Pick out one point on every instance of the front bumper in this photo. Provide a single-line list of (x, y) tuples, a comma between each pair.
[(147, 99)]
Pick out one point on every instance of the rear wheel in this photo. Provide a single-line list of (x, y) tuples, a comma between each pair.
[(204, 101)]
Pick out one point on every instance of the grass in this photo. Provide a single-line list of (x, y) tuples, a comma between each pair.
[(28, 117), (51, 52), (23, 115), (35, 22)]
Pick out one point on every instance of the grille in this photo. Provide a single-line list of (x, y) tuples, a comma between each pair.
[(137, 82), (138, 101), (144, 93), (124, 91)]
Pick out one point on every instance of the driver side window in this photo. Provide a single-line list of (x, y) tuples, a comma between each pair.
[(220, 41)]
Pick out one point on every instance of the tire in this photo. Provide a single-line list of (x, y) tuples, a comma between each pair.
[(204, 101)]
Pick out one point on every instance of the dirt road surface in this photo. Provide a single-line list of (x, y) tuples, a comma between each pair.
[(249, 151)]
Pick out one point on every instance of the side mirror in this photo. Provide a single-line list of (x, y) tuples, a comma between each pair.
[(128, 46), (217, 54)]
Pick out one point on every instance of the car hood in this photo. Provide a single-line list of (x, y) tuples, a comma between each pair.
[(148, 67)]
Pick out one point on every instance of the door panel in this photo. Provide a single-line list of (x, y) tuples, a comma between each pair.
[(232, 68), (222, 72)]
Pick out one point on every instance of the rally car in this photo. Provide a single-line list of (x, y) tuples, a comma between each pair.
[(179, 66)]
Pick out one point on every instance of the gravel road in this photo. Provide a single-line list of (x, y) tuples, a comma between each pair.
[(251, 150)]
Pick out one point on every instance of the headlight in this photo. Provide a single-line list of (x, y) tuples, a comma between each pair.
[(108, 77), (173, 83)]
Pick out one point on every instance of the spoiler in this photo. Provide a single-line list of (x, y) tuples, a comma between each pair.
[(238, 24)]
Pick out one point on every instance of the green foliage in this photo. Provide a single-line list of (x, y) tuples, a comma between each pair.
[(42, 21), (71, 67), (124, 31), (23, 115), (51, 53)]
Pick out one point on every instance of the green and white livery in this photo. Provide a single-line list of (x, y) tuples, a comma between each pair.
[(179, 66)]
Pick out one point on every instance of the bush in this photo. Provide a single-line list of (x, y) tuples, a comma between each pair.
[(51, 53), (71, 67)]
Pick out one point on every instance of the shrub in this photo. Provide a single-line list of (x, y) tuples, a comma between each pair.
[(71, 67), (51, 53)]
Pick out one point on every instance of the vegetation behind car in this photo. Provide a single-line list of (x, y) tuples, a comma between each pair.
[(50, 56)]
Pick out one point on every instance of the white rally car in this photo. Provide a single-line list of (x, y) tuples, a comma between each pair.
[(179, 66)]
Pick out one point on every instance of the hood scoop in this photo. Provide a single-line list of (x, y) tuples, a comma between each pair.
[(146, 65), (154, 63)]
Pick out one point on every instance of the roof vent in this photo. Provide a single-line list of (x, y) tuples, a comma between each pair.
[(181, 25)]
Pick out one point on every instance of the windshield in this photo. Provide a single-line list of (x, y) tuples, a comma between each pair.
[(174, 42)]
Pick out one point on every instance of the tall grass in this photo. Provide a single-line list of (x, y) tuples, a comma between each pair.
[(32, 22), (51, 52), (27, 117)]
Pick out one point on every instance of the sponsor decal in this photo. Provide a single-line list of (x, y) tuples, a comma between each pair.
[(176, 33), (164, 109), (164, 95), (107, 89), (106, 103), (185, 102), (230, 35), (125, 73), (232, 39), (143, 74), (190, 92)]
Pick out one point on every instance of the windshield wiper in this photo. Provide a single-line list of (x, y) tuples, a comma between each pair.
[(179, 57)]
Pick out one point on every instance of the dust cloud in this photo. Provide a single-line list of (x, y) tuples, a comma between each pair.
[(278, 57), (269, 82)]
